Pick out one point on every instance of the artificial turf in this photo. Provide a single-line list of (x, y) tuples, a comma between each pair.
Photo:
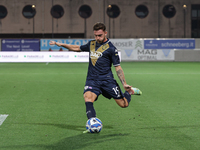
[(47, 111)]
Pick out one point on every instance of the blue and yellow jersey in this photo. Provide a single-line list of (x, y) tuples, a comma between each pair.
[(102, 56)]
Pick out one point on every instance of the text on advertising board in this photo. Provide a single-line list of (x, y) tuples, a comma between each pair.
[(169, 44)]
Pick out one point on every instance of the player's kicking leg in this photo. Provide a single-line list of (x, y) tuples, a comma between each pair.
[(124, 102)]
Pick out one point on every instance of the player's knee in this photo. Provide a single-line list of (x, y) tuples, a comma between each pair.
[(125, 104), (89, 97), (122, 103)]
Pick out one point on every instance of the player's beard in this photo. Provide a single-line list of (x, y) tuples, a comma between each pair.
[(101, 41)]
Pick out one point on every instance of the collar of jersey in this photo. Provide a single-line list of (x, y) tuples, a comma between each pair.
[(103, 43)]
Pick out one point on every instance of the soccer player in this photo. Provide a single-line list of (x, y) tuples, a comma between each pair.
[(100, 79)]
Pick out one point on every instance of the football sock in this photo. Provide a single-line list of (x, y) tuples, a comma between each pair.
[(127, 96), (90, 111)]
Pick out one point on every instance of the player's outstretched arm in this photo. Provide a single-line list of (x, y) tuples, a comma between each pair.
[(75, 48), (120, 74)]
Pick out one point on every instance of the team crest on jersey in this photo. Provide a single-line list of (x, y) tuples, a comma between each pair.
[(95, 55), (104, 47), (87, 87)]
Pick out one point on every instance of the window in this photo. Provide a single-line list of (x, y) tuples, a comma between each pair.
[(195, 21), (113, 11), (3, 12), (169, 11), (57, 11), (141, 11), (29, 11), (85, 11)]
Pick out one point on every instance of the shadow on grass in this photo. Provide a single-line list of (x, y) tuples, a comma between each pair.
[(75, 142), (68, 126), (172, 127)]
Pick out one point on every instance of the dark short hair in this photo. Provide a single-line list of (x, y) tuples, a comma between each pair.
[(99, 26)]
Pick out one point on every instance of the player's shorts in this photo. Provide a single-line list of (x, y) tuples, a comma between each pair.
[(108, 88)]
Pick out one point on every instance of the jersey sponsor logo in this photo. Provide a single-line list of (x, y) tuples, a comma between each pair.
[(96, 54)]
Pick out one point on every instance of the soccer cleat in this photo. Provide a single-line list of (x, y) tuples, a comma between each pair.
[(135, 91)]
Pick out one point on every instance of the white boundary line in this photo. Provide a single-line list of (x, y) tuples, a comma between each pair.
[(2, 118)]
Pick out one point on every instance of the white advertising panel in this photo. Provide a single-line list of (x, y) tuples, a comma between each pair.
[(148, 55), (133, 50), (44, 56), (128, 44)]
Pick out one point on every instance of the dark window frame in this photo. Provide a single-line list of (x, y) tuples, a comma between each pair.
[(195, 21), (31, 10), (57, 14), (166, 12), (85, 14), (6, 11), (147, 10), (113, 11)]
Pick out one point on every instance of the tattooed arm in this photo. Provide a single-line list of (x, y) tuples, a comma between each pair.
[(120, 74)]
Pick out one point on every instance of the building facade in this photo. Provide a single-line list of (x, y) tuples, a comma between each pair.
[(123, 18)]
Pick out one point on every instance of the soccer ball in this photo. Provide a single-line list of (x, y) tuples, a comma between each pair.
[(94, 125)]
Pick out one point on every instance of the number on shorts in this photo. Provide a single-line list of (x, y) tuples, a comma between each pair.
[(116, 90)]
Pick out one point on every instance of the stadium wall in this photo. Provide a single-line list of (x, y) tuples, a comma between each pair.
[(126, 25), (187, 55)]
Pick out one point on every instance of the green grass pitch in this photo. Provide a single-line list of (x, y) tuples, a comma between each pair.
[(47, 111)]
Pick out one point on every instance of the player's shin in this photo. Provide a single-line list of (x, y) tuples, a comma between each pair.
[(90, 111)]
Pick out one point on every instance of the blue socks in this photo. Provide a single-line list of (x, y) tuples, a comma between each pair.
[(90, 111), (127, 96)]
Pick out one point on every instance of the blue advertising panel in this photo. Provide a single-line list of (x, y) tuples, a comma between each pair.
[(10, 45), (20, 45), (169, 44), (30, 45), (44, 43)]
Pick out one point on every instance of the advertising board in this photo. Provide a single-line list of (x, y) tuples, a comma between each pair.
[(20, 45), (133, 50), (147, 55), (44, 57), (170, 44), (44, 43)]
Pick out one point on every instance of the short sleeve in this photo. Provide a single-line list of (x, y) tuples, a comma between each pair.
[(115, 57), (85, 48)]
